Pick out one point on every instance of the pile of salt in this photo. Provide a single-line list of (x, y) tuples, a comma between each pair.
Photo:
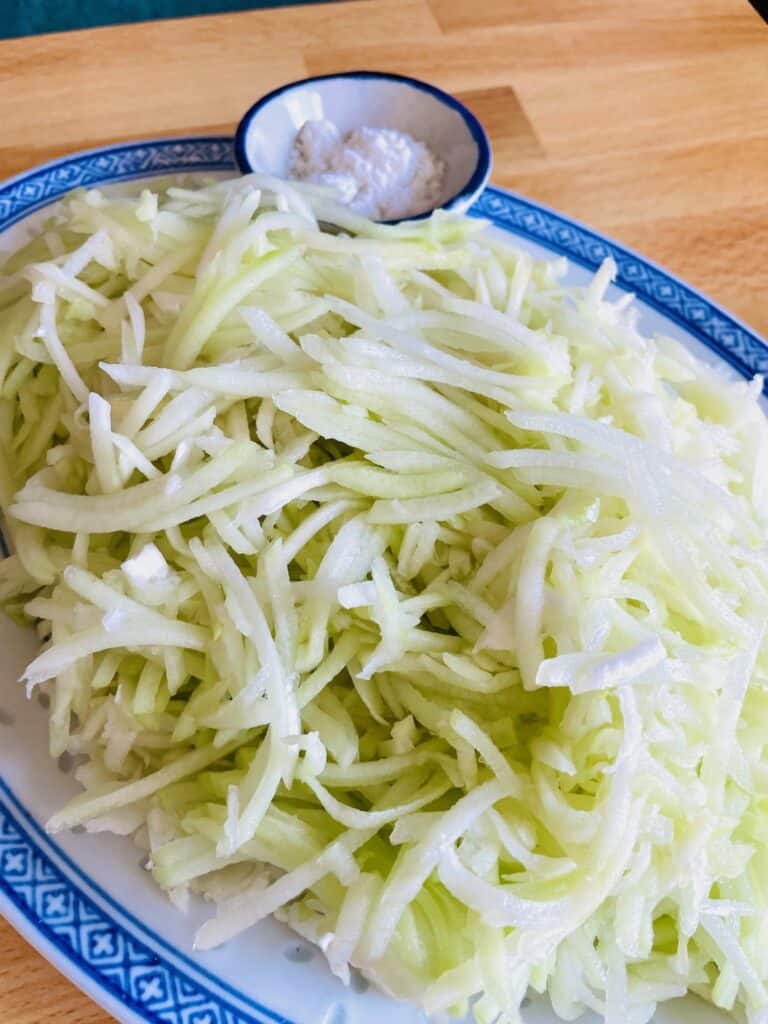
[(378, 172)]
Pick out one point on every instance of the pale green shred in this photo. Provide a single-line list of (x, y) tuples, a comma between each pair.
[(392, 586)]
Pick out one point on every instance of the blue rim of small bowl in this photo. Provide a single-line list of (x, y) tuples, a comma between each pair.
[(480, 175)]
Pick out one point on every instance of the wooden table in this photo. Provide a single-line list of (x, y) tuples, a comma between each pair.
[(648, 121)]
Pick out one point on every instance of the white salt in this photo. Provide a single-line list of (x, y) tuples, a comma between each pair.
[(378, 172)]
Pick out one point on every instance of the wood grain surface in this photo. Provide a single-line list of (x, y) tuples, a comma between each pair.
[(648, 121)]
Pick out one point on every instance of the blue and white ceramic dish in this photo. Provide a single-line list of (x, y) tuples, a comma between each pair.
[(84, 900), (265, 136)]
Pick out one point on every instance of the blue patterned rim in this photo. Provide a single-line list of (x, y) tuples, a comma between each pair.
[(50, 893), (33, 189), (482, 169), (706, 321), (75, 923)]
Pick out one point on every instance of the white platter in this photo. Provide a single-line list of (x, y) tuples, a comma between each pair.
[(84, 900)]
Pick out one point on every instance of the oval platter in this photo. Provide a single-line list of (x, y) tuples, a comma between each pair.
[(85, 901)]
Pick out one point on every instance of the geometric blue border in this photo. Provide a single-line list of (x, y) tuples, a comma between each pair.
[(732, 340), (25, 193), (90, 938), (55, 908), (112, 958)]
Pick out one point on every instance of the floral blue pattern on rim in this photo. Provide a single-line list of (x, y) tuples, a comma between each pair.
[(125, 961)]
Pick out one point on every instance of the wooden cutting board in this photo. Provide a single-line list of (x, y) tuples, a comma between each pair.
[(648, 121)]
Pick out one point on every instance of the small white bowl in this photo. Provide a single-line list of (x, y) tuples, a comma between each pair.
[(265, 136)]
